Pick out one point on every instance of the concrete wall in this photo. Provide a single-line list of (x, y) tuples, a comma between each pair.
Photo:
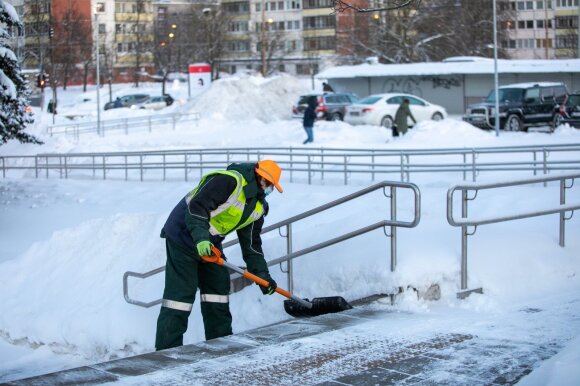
[(454, 92)]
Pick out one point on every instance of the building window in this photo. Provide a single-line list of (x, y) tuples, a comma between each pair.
[(529, 5), (529, 24), (312, 4), (319, 22), (293, 4), (320, 43), (102, 29), (100, 7)]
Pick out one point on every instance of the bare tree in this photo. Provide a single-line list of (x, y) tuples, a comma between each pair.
[(430, 30), (71, 43)]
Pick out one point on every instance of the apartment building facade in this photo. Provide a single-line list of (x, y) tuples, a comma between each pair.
[(543, 29)]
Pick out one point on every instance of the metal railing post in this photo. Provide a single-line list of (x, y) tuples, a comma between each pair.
[(545, 164), (36, 166), (373, 165), (393, 228), (66, 167), (141, 167), (309, 172), (535, 164), (104, 168), (473, 166), (402, 168), (562, 214), (463, 240), (291, 164), (185, 165), (126, 169), (289, 251), (345, 170), (322, 163), (464, 166)]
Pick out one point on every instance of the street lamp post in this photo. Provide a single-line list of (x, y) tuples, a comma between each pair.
[(495, 74), (98, 78)]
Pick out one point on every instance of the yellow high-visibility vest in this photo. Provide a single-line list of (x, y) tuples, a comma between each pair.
[(226, 217)]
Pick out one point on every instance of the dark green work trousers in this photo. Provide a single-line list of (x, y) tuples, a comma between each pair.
[(184, 274)]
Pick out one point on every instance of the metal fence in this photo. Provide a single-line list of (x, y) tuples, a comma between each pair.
[(286, 225), (126, 125), (303, 164), (466, 222)]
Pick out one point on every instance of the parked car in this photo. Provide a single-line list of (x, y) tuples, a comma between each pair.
[(155, 103), (521, 106), (331, 105), (569, 111), (128, 100), (380, 110)]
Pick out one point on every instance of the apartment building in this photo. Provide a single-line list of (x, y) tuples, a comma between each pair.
[(125, 30), (567, 17), (531, 33), (543, 29)]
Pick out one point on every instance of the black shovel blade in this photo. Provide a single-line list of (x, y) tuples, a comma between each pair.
[(320, 306)]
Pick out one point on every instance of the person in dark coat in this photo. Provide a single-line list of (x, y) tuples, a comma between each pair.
[(117, 104), (326, 87), (309, 118), (401, 115), (223, 202)]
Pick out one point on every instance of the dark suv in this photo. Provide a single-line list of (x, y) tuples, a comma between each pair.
[(331, 105), (521, 106)]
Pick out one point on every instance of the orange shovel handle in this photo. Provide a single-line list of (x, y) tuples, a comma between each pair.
[(216, 258)]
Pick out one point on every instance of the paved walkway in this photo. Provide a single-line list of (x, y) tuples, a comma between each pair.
[(368, 345)]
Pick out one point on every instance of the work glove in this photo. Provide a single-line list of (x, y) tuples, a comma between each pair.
[(204, 248), (271, 288)]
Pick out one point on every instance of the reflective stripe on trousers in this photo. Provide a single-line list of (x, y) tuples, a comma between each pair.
[(211, 298), (175, 305)]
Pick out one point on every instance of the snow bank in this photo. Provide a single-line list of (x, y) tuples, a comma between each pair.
[(235, 99)]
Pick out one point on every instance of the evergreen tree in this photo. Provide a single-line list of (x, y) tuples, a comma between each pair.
[(13, 88)]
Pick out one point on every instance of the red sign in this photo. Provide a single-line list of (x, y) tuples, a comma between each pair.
[(199, 68)]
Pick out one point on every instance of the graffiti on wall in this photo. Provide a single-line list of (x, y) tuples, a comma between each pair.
[(407, 85), (412, 84), (447, 83)]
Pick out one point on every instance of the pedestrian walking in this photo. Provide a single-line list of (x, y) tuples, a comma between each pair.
[(326, 87), (224, 201), (401, 115), (309, 118)]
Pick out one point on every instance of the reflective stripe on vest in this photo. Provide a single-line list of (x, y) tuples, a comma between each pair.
[(211, 298), (226, 217), (175, 305)]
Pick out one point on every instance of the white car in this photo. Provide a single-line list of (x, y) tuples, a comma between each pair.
[(153, 103), (380, 109)]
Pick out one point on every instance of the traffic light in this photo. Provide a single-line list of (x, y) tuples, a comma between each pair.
[(42, 80)]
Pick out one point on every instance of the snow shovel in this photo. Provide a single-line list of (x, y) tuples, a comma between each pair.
[(295, 306)]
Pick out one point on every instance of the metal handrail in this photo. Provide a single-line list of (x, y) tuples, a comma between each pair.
[(393, 223), (304, 161), (465, 222), (124, 124)]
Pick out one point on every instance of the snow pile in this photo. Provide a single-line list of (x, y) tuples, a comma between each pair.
[(235, 99)]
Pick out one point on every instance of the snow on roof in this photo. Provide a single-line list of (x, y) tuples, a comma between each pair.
[(453, 66), (531, 84)]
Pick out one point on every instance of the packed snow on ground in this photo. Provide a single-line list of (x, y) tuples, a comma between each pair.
[(67, 243)]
